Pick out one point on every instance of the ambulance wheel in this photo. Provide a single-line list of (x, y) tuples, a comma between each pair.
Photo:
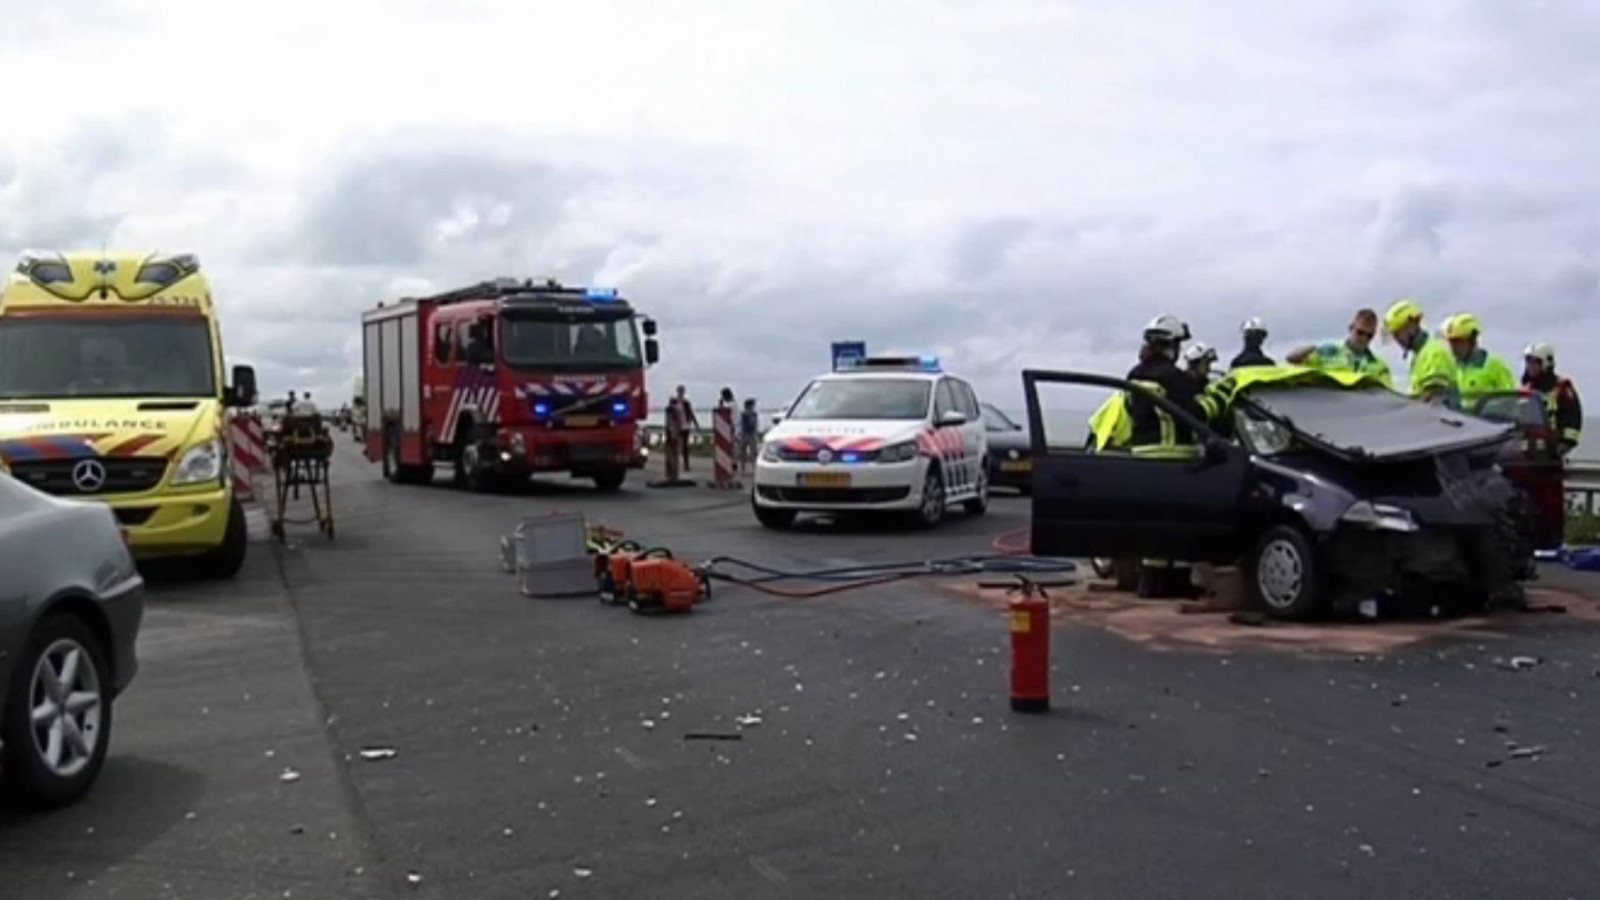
[(776, 519), (931, 512), (228, 559), (979, 505)]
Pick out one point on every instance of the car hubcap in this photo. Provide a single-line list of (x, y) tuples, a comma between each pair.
[(65, 708), (1279, 574)]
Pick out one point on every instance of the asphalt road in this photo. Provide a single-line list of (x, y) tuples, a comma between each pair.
[(540, 745)]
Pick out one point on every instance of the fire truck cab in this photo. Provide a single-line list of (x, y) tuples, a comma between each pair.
[(504, 379)]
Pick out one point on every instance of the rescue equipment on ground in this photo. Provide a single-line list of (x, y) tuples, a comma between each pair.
[(301, 452), (648, 580), (1029, 615), (550, 555)]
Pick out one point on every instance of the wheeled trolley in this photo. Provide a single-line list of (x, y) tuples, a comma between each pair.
[(300, 459)]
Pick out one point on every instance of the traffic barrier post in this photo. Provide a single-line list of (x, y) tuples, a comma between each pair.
[(248, 456), (722, 448)]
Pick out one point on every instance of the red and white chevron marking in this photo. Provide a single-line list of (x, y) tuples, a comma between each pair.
[(587, 388), (248, 456), (722, 446), (482, 399)]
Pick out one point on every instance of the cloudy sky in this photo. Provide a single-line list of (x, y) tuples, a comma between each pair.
[(1007, 183)]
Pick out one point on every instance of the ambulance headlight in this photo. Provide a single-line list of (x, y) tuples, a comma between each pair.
[(896, 453), (202, 462)]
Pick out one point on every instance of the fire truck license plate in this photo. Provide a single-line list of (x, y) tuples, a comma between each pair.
[(824, 479), (581, 421)]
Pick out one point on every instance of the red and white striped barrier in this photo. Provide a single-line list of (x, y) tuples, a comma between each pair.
[(722, 448), (249, 456)]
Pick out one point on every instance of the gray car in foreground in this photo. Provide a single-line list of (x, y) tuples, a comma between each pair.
[(71, 603)]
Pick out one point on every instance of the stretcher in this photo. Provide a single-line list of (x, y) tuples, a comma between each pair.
[(301, 450)]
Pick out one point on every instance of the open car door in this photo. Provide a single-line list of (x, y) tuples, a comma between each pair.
[(1115, 504)]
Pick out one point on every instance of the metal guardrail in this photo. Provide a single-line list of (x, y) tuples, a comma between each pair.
[(1583, 486)]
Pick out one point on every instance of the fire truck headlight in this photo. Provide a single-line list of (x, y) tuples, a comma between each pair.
[(202, 462)]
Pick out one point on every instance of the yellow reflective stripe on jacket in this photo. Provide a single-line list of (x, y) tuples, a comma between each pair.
[(1112, 423), (1433, 368), (1169, 430)]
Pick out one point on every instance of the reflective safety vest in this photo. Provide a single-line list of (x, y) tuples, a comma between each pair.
[(1338, 356), (1112, 424), (1552, 412), (1483, 373), (1434, 370)]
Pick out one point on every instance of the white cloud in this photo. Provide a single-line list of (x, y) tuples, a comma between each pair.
[(1006, 181)]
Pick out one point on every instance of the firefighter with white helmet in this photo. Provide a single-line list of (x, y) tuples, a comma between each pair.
[(1198, 359), (1561, 403), (1254, 331)]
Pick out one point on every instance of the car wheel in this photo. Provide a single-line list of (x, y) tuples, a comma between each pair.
[(931, 512), (1283, 574), (58, 716), (228, 559), (979, 505), (777, 519)]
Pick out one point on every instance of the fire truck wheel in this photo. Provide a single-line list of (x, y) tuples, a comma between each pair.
[(470, 472), (610, 480)]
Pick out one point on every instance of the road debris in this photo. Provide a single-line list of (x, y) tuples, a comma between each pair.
[(1527, 752), (713, 736), (582, 872), (413, 878), (1518, 663), (748, 721), (373, 754), (289, 776)]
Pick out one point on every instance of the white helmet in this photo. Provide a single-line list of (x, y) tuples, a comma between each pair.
[(1254, 323), (1543, 352), (1169, 328), (1197, 352)]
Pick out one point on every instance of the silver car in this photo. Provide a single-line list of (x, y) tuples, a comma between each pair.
[(71, 603)]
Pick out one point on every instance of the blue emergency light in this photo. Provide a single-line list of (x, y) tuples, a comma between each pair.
[(927, 362), (619, 409), (849, 457), (541, 409), (600, 294)]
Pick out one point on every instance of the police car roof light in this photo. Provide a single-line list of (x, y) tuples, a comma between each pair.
[(923, 363), (600, 294)]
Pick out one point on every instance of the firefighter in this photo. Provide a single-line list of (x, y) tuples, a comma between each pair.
[(1158, 435), (1353, 354), (1198, 360), (1562, 407), (1433, 377), (1254, 330), (1479, 372)]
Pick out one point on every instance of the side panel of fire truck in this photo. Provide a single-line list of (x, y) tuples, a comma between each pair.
[(391, 348)]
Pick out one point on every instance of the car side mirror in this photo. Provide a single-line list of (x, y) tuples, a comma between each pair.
[(649, 326), (243, 390), (952, 418), (652, 352), (1216, 451)]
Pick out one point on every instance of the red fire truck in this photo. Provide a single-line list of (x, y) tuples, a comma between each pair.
[(504, 379)]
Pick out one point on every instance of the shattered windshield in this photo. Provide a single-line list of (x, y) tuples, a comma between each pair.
[(1373, 421)]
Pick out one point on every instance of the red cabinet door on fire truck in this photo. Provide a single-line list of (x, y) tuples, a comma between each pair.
[(443, 357)]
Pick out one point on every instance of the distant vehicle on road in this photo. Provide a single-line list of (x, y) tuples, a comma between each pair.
[(71, 603), (887, 434), (505, 379), (1010, 453), (111, 389)]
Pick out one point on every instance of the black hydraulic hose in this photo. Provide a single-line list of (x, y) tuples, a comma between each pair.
[(962, 565)]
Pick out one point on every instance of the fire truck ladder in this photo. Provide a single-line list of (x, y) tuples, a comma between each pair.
[(300, 458)]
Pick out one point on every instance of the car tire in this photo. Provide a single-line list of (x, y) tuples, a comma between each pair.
[(610, 481), (28, 777), (776, 519), (979, 505), (226, 561), (1283, 574), (931, 512)]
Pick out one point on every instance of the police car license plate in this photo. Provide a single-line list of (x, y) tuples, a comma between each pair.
[(824, 479)]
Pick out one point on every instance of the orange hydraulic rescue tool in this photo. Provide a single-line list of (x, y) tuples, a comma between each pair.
[(658, 583), (611, 568)]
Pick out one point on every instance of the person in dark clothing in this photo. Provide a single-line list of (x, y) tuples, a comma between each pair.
[(1255, 334), (1562, 406), (1158, 366)]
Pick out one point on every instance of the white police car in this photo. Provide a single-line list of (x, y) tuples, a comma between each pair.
[(884, 434)]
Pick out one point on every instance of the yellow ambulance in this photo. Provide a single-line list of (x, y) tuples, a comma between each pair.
[(111, 389)]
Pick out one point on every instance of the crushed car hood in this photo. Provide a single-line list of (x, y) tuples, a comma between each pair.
[(1361, 420)]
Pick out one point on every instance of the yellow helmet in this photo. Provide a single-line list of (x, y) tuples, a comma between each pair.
[(1461, 326), (1400, 313)]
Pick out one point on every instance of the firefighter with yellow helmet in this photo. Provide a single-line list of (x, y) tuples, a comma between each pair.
[(1478, 372), (1434, 375)]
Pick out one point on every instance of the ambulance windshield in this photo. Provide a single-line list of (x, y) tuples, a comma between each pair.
[(570, 345), (63, 357), (863, 398)]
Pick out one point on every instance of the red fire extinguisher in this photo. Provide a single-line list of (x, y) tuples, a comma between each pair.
[(1030, 648)]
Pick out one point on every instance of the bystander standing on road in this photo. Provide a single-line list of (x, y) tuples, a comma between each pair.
[(749, 435), (690, 423)]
